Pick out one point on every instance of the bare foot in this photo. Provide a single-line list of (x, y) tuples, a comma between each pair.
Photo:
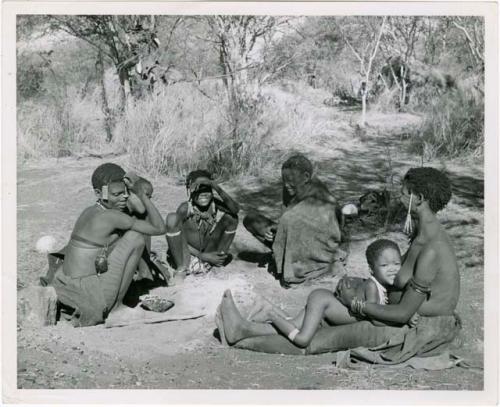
[(220, 326), (233, 322)]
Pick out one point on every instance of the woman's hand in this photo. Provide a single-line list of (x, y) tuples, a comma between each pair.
[(196, 184), (214, 258), (344, 292), (130, 179), (270, 234)]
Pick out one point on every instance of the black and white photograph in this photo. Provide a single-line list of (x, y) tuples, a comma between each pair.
[(235, 199)]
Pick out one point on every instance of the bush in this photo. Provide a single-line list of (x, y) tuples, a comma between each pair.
[(178, 129), (30, 76), (58, 126), (453, 126)]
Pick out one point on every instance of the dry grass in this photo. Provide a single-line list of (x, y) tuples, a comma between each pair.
[(66, 125), (179, 129), (453, 126)]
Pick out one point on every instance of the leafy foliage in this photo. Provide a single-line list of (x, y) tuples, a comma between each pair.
[(145, 79)]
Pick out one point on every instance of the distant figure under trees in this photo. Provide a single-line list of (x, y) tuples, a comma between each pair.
[(396, 73)]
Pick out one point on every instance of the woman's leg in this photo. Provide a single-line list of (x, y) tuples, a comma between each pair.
[(235, 326), (223, 234), (262, 308), (317, 303), (122, 263), (177, 243), (253, 336)]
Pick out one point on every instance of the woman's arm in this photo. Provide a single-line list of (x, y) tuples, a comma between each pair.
[(154, 223), (153, 226), (230, 204)]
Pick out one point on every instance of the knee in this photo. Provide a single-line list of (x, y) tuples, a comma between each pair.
[(319, 296), (172, 221), (135, 239)]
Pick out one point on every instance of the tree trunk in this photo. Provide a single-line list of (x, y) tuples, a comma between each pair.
[(125, 99), (403, 95), (108, 118), (363, 109)]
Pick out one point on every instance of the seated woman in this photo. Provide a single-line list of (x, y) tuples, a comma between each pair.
[(428, 283), (105, 248), (306, 239), (202, 229)]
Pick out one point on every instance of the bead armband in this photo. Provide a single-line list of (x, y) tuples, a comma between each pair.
[(358, 306), (419, 288)]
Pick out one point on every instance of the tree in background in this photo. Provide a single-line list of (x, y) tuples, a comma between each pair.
[(362, 36), (236, 38), (399, 47), (123, 40)]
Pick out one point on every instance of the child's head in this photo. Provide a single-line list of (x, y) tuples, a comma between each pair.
[(296, 171), (431, 184), (107, 181), (145, 186), (198, 184), (384, 259)]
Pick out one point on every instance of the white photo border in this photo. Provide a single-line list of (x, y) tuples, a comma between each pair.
[(11, 394)]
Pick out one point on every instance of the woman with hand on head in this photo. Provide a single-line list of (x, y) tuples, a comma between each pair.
[(105, 248)]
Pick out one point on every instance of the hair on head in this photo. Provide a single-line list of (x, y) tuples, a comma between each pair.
[(298, 162), (107, 173), (144, 181), (194, 175), (433, 184), (378, 246)]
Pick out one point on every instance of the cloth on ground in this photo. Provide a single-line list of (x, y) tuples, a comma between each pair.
[(307, 240), (197, 266), (424, 346)]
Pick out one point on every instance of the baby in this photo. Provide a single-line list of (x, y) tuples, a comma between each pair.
[(149, 262), (384, 259)]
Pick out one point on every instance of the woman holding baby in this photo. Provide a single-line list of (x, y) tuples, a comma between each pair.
[(427, 283)]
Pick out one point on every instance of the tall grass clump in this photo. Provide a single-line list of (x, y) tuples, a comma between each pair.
[(58, 125), (453, 126), (178, 129)]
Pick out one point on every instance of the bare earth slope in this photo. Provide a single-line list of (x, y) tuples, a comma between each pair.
[(186, 354)]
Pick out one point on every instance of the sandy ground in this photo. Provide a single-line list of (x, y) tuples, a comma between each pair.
[(186, 354)]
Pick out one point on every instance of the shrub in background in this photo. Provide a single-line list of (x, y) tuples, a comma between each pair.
[(59, 126), (453, 126), (177, 129)]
